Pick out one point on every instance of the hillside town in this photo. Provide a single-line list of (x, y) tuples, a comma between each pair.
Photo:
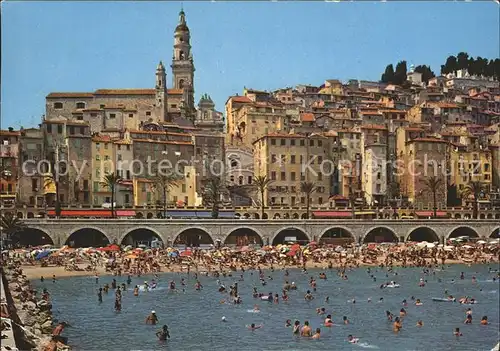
[(333, 145)]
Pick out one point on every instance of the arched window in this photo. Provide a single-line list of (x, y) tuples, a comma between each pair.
[(58, 105), (240, 180), (80, 105), (181, 83), (232, 179), (181, 55)]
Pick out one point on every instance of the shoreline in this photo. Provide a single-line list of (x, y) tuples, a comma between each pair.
[(36, 272)]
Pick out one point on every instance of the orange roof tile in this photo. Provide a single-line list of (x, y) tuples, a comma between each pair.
[(123, 142), (125, 92), (174, 91), (427, 140), (240, 99), (101, 138), (307, 117), (69, 95), (9, 133)]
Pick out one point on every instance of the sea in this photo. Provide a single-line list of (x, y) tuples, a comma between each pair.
[(195, 318)]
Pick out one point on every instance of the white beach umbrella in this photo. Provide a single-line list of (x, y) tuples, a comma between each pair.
[(430, 245), (467, 247), (480, 242)]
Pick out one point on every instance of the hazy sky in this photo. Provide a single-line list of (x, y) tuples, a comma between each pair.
[(83, 46)]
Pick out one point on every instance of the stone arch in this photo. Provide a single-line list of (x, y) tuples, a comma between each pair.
[(462, 230), (239, 236), (495, 234), (32, 236), (150, 215), (299, 233), (295, 216), (286, 215), (87, 237), (246, 215), (139, 215), (489, 216), (141, 235), (458, 216), (30, 215), (482, 216), (467, 216), (338, 235), (497, 216), (20, 215), (265, 216), (422, 234), (304, 216), (256, 216), (380, 234), (277, 216), (195, 236)]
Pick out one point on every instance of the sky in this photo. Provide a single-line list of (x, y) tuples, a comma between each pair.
[(84, 46)]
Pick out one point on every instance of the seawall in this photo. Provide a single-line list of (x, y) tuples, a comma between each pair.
[(30, 316)]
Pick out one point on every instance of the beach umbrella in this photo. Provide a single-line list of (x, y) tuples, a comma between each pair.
[(42, 254), (186, 253), (173, 254), (131, 256), (291, 253), (467, 247), (481, 242), (245, 249), (430, 245), (128, 248)]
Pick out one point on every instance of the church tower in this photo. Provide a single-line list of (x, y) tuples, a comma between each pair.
[(161, 93), (182, 64)]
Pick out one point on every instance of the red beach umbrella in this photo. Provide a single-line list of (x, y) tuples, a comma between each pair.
[(186, 253)]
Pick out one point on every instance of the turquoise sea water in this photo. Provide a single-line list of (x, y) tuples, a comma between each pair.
[(194, 317)]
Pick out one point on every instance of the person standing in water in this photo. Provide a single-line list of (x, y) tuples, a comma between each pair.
[(152, 318), (163, 334), (99, 295)]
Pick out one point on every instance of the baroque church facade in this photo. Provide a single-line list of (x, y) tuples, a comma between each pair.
[(162, 121)]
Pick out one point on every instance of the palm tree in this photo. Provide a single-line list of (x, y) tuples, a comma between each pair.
[(432, 184), (212, 194), (474, 188), (111, 180), (307, 188), (165, 183), (261, 183), (10, 225)]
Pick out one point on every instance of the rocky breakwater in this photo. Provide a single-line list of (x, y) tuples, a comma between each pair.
[(31, 314)]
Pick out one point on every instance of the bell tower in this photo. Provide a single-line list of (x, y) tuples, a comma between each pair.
[(182, 62), (161, 93)]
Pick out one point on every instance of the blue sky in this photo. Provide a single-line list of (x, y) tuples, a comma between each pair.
[(83, 46)]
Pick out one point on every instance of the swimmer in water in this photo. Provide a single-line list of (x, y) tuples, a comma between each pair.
[(136, 291), (253, 327), (288, 323), (163, 334), (352, 339), (468, 319), (256, 308), (328, 321), (308, 296), (418, 303), (484, 320), (152, 318), (397, 326), (296, 328), (457, 332), (420, 323), (402, 312), (223, 318), (346, 321), (306, 330), (317, 334)]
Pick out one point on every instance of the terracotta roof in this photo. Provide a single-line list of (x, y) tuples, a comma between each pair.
[(307, 117), (51, 121), (69, 95), (9, 133), (103, 138), (446, 105), (240, 99), (92, 109), (174, 91), (125, 92), (427, 140)]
